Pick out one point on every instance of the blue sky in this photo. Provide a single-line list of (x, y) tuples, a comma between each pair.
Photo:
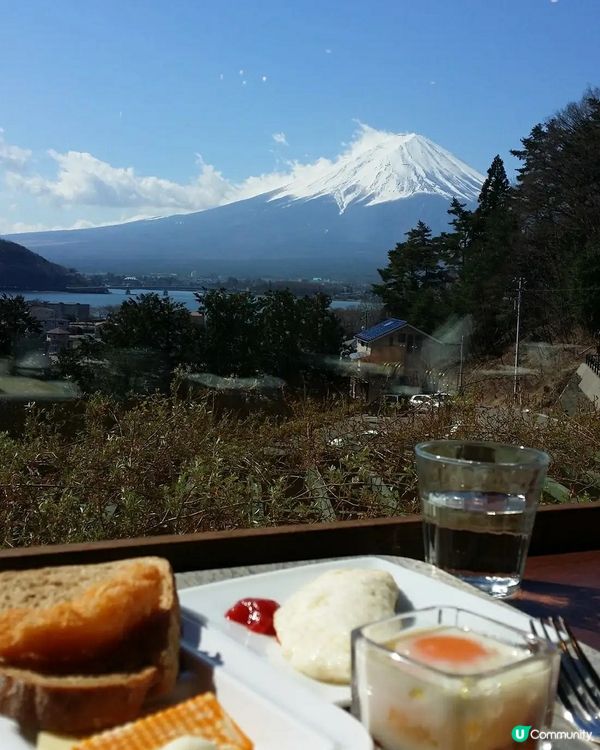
[(114, 109)]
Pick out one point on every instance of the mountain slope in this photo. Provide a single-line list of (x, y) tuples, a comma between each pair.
[(335, 217), (20, 268), (383, 167)]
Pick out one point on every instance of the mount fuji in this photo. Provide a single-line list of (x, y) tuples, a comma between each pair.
[(330, 218)]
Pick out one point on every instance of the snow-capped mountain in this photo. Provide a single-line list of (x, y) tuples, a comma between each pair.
[(384, 167), (333, 217)]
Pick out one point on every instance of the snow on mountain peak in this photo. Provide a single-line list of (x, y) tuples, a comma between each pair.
[(379, 166)]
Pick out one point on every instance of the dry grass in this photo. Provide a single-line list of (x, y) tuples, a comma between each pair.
[(166, 465)]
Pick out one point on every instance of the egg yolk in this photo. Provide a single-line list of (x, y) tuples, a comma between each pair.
[(449, 648)]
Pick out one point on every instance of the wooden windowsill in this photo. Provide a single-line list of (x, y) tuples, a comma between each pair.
[(558, 529)]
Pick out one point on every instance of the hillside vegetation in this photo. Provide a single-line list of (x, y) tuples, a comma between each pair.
[(164, 465), (23, 269)]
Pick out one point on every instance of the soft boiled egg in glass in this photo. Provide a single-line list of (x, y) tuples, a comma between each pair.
[(446, 679)]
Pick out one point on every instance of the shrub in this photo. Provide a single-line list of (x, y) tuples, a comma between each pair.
[(162, 464)]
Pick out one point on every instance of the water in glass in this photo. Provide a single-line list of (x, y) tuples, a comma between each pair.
[(480, 537)]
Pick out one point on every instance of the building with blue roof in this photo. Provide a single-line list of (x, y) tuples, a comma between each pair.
[(396, 352), (391, 341)]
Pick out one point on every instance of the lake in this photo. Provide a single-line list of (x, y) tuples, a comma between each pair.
[(116, 296)]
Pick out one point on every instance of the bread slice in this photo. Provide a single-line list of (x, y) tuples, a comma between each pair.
[(82, 647)]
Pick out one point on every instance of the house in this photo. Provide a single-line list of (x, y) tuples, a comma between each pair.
[(394, 353), (69, 337), (392, 340)]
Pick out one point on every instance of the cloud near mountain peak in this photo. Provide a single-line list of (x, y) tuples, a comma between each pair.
[(81, 179)]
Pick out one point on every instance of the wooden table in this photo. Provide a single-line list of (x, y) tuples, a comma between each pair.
[(567, 585)]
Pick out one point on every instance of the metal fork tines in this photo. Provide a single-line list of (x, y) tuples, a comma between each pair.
[(578, 681)]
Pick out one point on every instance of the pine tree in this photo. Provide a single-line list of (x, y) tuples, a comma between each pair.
[(494, 191), (485, 284), (557, 201), (455, 245), (414, 281)]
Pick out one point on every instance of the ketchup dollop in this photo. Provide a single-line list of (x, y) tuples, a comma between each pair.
[(255, 614)]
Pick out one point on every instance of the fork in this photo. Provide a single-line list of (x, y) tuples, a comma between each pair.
[(578, 681)]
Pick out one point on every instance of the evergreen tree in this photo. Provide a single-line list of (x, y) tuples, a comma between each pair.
[(139, 347), (280, 337), (557, 202), (16, 323), (490, 264), (494, 191), (414, 281), (154, 324), (272, 334), (233, 334), (456, 244), (320, 329)]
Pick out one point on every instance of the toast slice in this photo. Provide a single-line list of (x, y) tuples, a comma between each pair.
[(82, 647)]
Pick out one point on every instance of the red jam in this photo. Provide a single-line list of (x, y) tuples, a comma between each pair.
[(255, 614)]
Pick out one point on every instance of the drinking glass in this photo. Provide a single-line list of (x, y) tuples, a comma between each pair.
[(406, 703), (478, 502)]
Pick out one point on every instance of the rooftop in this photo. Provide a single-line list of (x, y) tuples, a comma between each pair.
[(381, 329)]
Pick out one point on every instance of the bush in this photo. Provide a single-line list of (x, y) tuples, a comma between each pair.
[(165, 465)]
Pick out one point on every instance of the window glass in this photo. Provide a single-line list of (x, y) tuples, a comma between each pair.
[(215, 217)]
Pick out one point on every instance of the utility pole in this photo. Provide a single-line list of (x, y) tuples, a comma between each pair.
[(516, 375), (460, 372)]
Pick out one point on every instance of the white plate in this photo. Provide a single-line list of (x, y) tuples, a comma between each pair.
[(272, 720), (212, 600)]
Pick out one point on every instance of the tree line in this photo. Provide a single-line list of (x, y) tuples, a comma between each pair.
[(545, 230), (149, 338)]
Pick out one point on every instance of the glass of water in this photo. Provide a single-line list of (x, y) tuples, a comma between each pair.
[(478, 502)]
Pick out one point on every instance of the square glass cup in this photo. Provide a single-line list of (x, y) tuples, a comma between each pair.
[(406, 703), (478, 501)]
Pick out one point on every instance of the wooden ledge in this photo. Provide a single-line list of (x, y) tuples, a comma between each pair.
[(558, 529)]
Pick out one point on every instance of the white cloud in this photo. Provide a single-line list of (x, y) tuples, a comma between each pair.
[(263, 183), (280, 138), (15, 227), (12, 158), (327, 51), (241, 71), (83, 179), (263, 79), (121, 194), (82, 224)]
